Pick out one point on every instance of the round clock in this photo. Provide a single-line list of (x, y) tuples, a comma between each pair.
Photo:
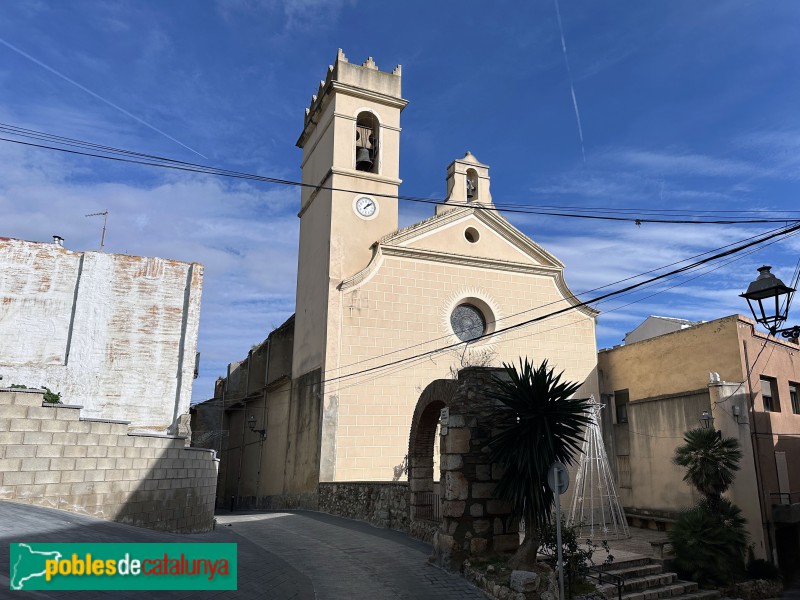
[(365, 207)]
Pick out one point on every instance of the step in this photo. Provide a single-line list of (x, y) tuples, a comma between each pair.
[(630, 572), (640, 586), (684, 590)]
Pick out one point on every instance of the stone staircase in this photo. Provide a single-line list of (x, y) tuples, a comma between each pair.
[(646, 580)]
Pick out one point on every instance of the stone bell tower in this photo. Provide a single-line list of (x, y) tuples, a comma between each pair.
[(351, 158)]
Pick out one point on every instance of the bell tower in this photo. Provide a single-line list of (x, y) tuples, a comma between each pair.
[(350, 172)]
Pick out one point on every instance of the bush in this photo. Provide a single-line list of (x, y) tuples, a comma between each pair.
[(577, 555), (710, 541), (52, 397)]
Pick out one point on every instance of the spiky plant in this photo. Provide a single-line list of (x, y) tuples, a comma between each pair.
[(709, 542), (711, 461), (537, 424)]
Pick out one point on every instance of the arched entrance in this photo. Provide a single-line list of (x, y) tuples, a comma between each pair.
[(425, 504)]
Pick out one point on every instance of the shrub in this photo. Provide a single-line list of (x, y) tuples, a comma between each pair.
[(710, 542), (52, 397), (758, 568)]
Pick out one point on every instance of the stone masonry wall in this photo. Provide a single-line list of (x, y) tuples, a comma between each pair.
[(50, 456), (384, 504)]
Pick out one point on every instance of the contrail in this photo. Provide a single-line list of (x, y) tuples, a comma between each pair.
[(571, 84), (91, 93)]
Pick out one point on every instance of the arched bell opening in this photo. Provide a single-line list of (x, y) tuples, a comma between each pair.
[(472, 185), (367, 142)]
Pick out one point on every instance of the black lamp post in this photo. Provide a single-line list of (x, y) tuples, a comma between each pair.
[(769, 299), (706, 420), (251, 423)]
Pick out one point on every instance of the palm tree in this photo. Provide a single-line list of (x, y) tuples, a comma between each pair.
[(537, 424), (711, 462)]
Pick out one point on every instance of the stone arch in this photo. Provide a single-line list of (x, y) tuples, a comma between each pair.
[(435, 397)]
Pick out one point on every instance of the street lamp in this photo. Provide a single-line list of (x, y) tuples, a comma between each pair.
[(251, 423), (706, 420), (769, 299)]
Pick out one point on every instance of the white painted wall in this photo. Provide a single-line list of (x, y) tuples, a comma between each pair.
[(114, 333)]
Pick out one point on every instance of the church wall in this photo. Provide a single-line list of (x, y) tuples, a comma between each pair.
[(408, 302)]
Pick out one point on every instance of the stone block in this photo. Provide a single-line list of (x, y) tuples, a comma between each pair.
[(7, 492), (457, 441), (94, 475), (476, 509), (11, 437), (4, 424), (481, 526), (37, 437), (456, 486), (51, 451), (76, 426), (53, 490), (31, 491), (24, 424), (524, 581), (54, 425), (75, 452), (72, 476), (455, 421), (100, 427), (67, 413), (62, 464), (19, 451), (482, 490), (47, 477), (84, 464), (96, 451), (35, 464), (28, 398), (114, 452), (452, 462), (453, 509), (65, 439), (106, 463), (478, 546), (40, 412), (81, 489), (13, 411)]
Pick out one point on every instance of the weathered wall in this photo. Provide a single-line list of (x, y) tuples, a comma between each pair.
[(383, 504), (116, 334), (51, 457)]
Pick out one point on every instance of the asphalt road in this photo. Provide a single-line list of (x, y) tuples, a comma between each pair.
[(281, 555)]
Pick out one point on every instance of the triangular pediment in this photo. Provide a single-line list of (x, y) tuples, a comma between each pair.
[(473, 233)]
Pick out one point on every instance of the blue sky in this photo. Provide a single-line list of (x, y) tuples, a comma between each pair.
[(684, 105)]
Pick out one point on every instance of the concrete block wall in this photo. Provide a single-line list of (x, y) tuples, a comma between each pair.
[(50, 456)]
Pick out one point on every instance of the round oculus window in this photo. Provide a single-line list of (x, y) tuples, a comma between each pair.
[(468, 322)]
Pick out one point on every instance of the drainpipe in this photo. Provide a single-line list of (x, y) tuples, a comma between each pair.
[(765, 522), (263, 420), (244, 426)]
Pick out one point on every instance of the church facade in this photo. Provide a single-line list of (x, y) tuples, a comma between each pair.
[(381, 312)]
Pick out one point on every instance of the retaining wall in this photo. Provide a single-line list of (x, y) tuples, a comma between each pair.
[(50, 456)]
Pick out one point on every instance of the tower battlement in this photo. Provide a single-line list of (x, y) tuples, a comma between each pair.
[(365, 79)]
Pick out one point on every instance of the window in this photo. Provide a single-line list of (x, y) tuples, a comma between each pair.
[(794, 398), (621, 405), (769, 395), (624, 470), (468, 322)]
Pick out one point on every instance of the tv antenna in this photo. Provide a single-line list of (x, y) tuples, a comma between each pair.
[(103, 214)]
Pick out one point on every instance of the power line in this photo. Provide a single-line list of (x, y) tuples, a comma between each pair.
[(152, 160), (782, 232)]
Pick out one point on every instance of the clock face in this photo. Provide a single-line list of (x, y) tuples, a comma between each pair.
[(365, 207)]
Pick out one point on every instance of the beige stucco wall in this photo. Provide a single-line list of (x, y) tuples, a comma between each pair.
[(114, 333), (406, 304)]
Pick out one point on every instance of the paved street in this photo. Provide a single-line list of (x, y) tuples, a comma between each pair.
[(282, 555)]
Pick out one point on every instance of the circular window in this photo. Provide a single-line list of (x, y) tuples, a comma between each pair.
[(472, 235), (468, 322)]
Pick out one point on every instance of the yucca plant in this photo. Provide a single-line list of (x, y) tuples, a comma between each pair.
[(537, 423)]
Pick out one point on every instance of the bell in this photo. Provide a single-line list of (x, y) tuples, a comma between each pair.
[(363, 159)]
